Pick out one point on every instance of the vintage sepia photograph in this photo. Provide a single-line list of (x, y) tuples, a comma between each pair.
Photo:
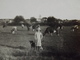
[(39, 29)]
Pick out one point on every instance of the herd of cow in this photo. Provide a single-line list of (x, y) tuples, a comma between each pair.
[(49, 30), (56, 29)]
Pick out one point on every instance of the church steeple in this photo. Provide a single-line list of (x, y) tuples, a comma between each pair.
[(39, 19)]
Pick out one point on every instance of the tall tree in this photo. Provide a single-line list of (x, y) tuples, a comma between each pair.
[(51, 21), (18, 19), (33, 19), (44, 19)]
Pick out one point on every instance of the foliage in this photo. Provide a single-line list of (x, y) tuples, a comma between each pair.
[(51, 21), (33, 19), (71, 23), (18, 19), (44, 19)]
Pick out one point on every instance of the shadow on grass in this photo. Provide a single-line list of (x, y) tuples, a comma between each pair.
[(59, 54), (5, 32), (19, 53), (30, 34), (22, 30), (19, 47), (1, 58)]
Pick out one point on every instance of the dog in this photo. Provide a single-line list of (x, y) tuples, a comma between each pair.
[(34, 47), (32, 44)]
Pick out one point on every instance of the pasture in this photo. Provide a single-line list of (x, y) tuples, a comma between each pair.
[(17, 47)]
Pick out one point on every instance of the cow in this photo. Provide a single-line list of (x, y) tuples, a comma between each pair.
[(4, 24), (48, 30), (13, 30), (53, 28), (57, 27), (75, 27)]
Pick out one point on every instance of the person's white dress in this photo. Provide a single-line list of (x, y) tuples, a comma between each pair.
[(38, 38)]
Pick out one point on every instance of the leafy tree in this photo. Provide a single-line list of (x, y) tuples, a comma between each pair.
[(33, 19), (44, 19), (18, 19), (51, 21)]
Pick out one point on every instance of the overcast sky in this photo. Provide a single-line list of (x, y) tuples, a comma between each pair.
[(63, 9)]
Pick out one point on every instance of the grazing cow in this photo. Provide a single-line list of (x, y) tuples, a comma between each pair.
[(48, 30), (57, 27), (4, 24), (76, 26), (73, 28), (14, 29), (51, 30), (54, 28)]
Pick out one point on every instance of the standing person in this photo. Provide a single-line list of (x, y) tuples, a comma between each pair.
[(38, 38)]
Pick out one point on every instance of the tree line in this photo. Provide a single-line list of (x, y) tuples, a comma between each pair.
[(51, 20)]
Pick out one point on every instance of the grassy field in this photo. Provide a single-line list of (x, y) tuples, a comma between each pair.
[(17, 46)]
